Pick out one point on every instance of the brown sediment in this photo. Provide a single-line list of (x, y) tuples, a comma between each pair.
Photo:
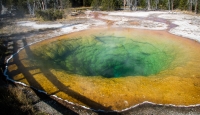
[(135, 23), (97, 16), (179, 85)]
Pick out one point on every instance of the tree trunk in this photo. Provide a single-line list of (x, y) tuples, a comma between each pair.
[(61, 4), (45, 4), (196, 5), (190, 5), (172, 7), (130, 4), (169, 4), (157, 1), (33, 9), (39, 4), (29, 7), (43, 7), (148, 5), (135, 5), (36, 5), (124, 4)]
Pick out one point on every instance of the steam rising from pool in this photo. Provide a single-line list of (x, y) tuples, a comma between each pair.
[(113, 69), (107, 56)]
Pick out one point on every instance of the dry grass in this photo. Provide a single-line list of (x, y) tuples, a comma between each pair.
[(186, 12), (14, 101)]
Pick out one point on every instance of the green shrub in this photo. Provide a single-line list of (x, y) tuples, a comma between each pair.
[(96, 4), (183, 4), (49, 14), (111, 4)]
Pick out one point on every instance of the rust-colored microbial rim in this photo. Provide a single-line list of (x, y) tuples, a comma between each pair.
[(166, 56)]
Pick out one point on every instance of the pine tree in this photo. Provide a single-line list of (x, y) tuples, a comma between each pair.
[(142, 3), (96, 4), (111, 4), (183, 4), (163, 4), (87, 2), (106, 5), (176, 4)]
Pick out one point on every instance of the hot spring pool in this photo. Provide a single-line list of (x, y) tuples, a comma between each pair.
[(113, 69)]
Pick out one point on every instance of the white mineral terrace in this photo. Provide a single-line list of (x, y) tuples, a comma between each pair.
[(187, 25)]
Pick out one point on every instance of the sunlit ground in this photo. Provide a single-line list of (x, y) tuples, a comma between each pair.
[(113, 69)]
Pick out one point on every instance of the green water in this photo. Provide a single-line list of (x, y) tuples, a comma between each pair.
[(107, 55)]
